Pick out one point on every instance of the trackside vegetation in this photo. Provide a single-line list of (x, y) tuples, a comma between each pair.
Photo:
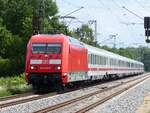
[(13, 85)]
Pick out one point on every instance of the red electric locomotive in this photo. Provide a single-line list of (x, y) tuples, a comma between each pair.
[(54, 59)]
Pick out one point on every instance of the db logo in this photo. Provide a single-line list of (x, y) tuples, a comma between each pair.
[(45, 62)]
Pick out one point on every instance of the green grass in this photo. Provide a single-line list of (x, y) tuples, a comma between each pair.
[(13, 85), (5, 93), (11, 81)]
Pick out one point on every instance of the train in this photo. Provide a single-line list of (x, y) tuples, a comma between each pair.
[(63, 60)]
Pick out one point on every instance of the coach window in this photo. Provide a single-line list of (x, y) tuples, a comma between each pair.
[(105, 61), (110, 62), (130, 65), (102, 60), (119, 63), (115, 62), (89, 58), (98, 60), (122, 63), (94, 59)]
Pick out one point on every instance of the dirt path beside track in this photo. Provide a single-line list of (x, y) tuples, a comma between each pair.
[(145, 106)]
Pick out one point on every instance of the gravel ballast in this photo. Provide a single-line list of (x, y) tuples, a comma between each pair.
[(42, 103), (127, 102)]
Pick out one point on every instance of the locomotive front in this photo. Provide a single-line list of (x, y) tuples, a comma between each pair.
[(44, 61)]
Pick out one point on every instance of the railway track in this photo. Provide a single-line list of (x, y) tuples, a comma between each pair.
[(91, 106), (15, 96), (22, 98)]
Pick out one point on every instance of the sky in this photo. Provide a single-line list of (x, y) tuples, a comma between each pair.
[(112, 19)]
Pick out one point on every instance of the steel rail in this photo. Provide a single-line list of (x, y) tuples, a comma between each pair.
[(25, 100), (91, 106), (63, 104), (15, 96)]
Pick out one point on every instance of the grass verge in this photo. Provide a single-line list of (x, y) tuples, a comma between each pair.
[(13, 85)]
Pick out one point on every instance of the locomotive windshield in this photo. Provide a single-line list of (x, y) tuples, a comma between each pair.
[(46, 48)]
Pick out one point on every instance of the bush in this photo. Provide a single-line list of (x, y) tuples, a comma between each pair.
[(12, 81), (10, 67), (5, 65), (13, 85)]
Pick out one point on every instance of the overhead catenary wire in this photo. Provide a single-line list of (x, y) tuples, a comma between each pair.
[(132, 13), (130, 28), (113, 10), (141, 5)]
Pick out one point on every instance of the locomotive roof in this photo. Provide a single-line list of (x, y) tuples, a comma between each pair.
[(49, 35)]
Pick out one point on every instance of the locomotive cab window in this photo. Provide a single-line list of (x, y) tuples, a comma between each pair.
[(47, 48), (38, 48), (54, 48)]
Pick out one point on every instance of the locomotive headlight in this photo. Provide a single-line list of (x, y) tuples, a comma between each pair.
[(32, 67), (65, 74), (58, 67)]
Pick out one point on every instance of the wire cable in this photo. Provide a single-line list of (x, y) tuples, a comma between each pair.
[(141, 5)]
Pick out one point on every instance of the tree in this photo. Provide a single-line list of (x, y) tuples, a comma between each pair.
[(43, 9), (146, 61), (85, 34)]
